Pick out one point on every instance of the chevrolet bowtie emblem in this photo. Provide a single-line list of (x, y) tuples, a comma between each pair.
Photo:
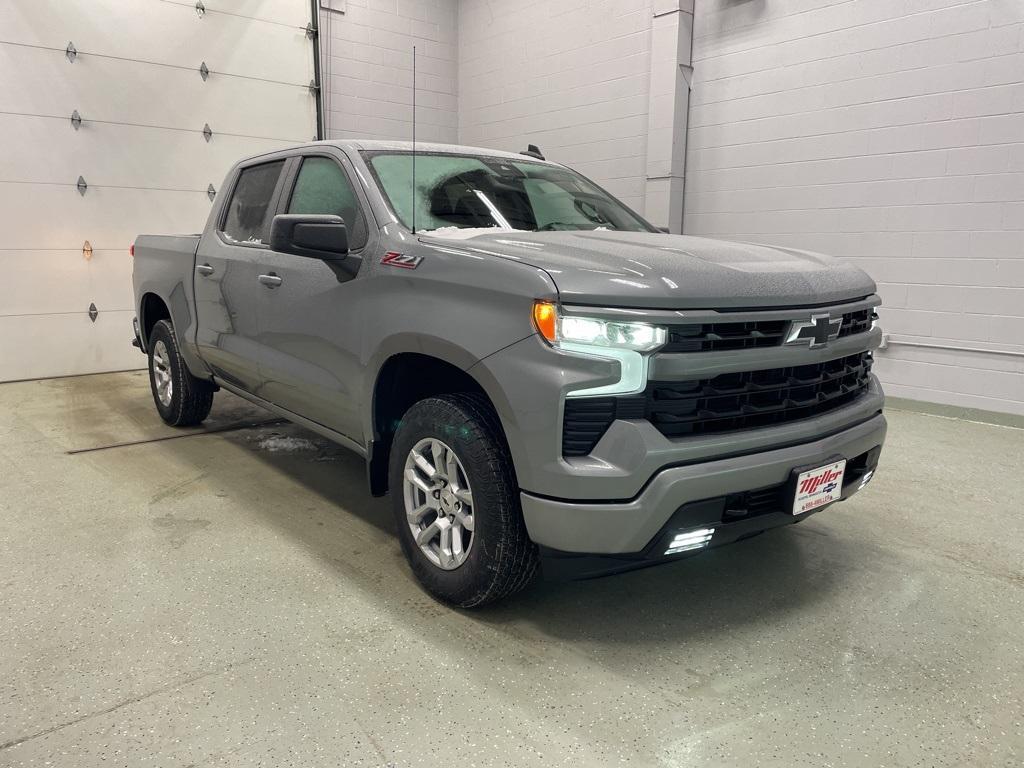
[(817, 333)]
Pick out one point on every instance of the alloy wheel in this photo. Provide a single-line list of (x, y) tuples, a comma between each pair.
[(438, 503), (162, 374)]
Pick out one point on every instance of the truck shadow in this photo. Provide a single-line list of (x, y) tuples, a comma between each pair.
[(724, 591)]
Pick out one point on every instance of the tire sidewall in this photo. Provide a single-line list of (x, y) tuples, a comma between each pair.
[(462, 585)]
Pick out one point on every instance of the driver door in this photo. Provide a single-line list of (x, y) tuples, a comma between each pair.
[(309, 332)]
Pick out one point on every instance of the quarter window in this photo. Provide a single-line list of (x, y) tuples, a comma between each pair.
[(248, 218), (323, 188)]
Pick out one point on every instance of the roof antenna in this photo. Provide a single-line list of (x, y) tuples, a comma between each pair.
[(533, 151), (414, 139)]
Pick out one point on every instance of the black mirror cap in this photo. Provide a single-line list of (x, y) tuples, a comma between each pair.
[(314, 236)]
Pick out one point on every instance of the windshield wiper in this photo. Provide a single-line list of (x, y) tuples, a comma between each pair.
[(552, 226)]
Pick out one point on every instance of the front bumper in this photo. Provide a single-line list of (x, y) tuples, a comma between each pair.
[(681, 497), (528, 381)]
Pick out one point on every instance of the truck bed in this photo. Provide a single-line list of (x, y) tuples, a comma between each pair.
[(162, 261), (164, 267)]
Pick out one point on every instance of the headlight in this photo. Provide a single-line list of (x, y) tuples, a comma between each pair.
[(622, 341), (561, 329)]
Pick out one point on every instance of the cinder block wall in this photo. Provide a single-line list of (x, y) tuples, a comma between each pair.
[(889, 133), (367, 54), (571, 77)]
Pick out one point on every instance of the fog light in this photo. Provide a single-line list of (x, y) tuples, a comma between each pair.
[(698, 538), (866, 479)]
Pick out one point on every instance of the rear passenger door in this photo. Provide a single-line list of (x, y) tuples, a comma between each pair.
[(227, 288), (309, 331)]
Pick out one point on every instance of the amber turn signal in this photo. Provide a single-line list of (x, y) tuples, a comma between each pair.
[(544, 317)]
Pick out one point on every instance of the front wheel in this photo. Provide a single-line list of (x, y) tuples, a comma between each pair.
[(181, 399), (456, 503)]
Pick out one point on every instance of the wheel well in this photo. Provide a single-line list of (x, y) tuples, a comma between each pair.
[(153, 311), (404, 380)]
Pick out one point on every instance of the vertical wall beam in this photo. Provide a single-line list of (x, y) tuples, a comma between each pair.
[(318, 92), (669, 101)]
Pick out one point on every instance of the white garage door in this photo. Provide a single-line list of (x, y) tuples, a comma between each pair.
[(131, 70)]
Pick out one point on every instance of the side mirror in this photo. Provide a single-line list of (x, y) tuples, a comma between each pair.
[(314, 236)]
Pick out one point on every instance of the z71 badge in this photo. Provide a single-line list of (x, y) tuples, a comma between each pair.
[(403, 260)]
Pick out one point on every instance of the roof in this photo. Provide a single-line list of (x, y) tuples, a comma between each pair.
[(422, 146)]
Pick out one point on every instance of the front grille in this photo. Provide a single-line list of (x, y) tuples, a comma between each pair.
[(735, 401), (729, 402), (725, 335), (716, 337), (857, 322)]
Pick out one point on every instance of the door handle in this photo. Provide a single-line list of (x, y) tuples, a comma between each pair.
[(271, 280), (204, 269)]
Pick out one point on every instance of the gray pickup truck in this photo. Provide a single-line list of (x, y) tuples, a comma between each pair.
[(535, 373)]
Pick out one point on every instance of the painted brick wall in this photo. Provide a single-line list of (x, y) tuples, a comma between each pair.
[(891, 133), (571, 77), (367, 53)]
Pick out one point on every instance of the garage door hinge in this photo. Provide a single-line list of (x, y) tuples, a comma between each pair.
[(211, 192), (207, 132), (76, 120), (71, 52), (93, 312), (313, 87), (200, 9), (204, 71), (311, 31), (82, 186)]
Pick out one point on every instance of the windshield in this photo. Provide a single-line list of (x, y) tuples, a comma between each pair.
[(470, 191)]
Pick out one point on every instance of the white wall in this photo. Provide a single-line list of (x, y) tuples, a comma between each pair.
[(571, 77), (367, 54), (890, 133), (140, 148)]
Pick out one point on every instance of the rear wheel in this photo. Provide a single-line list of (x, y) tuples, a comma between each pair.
[(181, 399), (456, 503)]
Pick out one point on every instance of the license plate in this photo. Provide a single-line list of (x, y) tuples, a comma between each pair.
[(819, 486)]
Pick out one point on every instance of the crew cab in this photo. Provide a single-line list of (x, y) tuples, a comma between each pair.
[(535, 373)]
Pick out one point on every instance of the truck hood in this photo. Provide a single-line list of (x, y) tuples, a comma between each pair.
[(653, 270)]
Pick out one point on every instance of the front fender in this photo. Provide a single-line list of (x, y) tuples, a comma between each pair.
[(403, 343)]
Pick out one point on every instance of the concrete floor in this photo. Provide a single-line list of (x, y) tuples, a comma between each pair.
[(239, 599)]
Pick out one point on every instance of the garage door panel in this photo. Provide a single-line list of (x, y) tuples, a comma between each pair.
[(56, 216), (118, 155), (160, 96), (292, 12), (117, 28), (140, 147), (40, 346), (51, 281)]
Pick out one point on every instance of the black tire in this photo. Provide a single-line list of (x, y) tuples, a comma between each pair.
[(502, 559), (190, 398)]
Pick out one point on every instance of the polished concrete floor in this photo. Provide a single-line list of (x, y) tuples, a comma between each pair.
[(237, 598)]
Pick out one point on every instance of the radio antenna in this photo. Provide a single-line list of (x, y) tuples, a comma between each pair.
[(414, 139)]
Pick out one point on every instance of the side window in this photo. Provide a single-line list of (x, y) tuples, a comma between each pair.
[(248, 219), (323, 188)]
